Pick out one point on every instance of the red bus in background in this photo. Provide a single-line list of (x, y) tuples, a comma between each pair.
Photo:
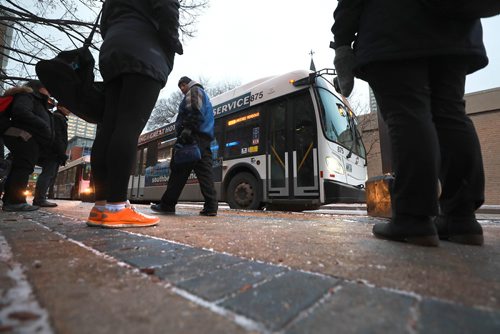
[(73, 181)]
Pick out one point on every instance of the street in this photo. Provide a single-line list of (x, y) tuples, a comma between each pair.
[(240, 272)]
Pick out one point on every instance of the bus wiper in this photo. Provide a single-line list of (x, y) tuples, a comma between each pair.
[(354, 136)]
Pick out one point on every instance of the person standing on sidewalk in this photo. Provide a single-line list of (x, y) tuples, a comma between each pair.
[(52, 157), (140, 39), (195, 123), (416, 62), (30, 130)]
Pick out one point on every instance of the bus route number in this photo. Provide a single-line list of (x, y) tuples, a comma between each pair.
[(256, 96)]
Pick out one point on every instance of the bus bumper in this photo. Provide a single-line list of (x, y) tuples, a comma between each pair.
[(343, 193)]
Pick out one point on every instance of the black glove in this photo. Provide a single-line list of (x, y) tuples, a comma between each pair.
[(185, 136), (344, 63)]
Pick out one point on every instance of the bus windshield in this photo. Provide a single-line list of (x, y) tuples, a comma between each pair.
[(335, 121)]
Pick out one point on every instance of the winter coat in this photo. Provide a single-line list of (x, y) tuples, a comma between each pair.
[(403, 29), (57, 151), (196, 112), (139, 37), (29, 112)]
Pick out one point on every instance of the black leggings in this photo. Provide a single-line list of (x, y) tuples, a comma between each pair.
[(130, 100)]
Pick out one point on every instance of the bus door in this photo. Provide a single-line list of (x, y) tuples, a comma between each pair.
[(292, 149)]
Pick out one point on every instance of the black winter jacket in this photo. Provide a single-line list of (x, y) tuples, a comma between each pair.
[(403, 29), (57, 151), (140, 36), (29, 112)]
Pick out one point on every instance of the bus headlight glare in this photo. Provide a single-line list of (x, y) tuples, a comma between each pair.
[(87, 191), (334, 165)]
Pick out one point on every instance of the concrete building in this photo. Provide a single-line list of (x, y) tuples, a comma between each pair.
[(483, 107), (77, 127), (78, 147)]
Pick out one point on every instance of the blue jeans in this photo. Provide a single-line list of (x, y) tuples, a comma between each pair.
[(45, 179)]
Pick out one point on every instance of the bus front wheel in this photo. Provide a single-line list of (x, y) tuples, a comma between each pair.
[(243, 192)]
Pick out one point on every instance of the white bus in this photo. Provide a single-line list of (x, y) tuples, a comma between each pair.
[(285, 140)]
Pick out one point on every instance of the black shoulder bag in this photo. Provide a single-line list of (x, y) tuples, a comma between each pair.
[(69, 77)]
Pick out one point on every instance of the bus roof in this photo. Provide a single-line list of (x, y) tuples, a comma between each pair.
[(271, 87), (76, 162), (241, 97)]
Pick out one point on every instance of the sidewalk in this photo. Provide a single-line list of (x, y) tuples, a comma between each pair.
[(239, 272)]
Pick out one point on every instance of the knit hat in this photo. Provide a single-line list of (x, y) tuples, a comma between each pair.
[(184, 80)]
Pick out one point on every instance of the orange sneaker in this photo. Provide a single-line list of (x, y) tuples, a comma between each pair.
[(95, 217), (128, 217)]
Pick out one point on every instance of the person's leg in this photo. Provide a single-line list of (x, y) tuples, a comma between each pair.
[(49, 171), (176, 182), (101, 142), (128, 107), (402, 92), (462, 173), (403, 95), (24, 156), (135, 103), (204, 173)]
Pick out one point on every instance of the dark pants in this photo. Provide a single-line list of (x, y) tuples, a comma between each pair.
[(204, 172), (24, 155), (422, 103), (45, 179), (129, 102)]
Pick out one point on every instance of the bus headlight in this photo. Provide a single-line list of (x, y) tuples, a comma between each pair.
[(87, 191), (334, 165)]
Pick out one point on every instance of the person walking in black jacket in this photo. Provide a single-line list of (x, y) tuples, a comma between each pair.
[(52, 157), (136, 57), (195, 123), (416, 62), (31, 128)]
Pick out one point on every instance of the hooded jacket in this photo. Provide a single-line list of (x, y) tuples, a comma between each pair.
[(139, 37), (29, 112), (384, 30), (196, 112)]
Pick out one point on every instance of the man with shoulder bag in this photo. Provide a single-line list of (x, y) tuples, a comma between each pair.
[(194, 124)]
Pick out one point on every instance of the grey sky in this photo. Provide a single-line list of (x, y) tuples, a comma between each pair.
[(246, 40)]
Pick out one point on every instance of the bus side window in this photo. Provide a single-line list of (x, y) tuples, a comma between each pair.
[(242, 134)]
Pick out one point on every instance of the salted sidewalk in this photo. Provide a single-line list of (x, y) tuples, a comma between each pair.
[(240, 272)]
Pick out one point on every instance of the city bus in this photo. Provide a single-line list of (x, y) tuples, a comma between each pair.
[(73, 180), (287, 140)]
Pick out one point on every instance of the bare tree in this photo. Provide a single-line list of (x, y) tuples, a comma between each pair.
[(166, 109), (31, 30)]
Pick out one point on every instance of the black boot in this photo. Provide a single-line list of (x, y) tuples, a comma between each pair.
[(462, 230), (412, 229)]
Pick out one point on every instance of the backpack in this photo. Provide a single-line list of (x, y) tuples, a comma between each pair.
[(5, 103), (464, 9)]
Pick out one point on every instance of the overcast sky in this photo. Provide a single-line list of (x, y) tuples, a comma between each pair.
[(246, 40)]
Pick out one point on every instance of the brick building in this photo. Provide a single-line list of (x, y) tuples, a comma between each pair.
[(483, 107)]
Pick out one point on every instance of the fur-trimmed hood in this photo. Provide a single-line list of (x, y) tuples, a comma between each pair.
[(17, 90)]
